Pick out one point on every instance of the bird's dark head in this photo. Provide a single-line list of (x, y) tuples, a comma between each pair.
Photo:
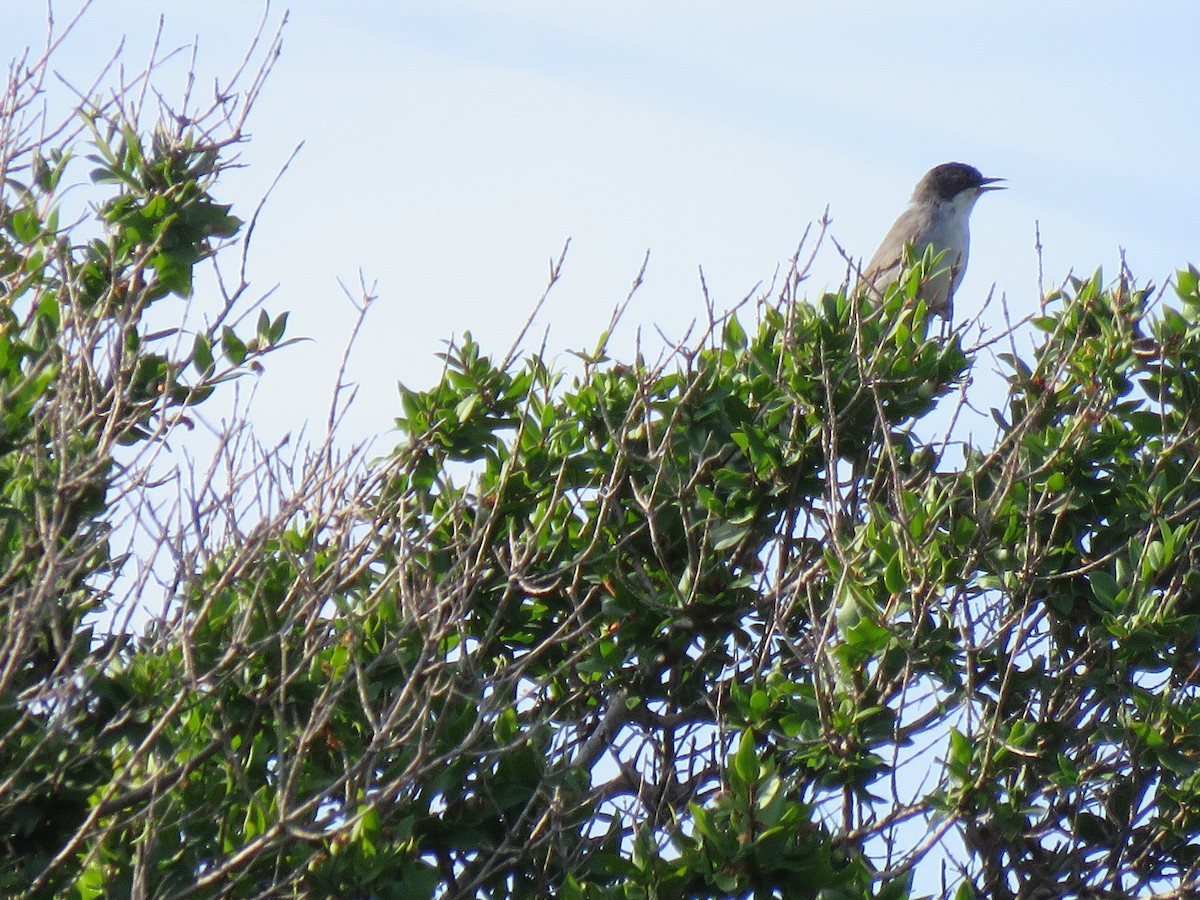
[(945, 182)]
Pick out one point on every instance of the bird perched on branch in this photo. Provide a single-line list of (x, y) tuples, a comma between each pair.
[(936, 217)]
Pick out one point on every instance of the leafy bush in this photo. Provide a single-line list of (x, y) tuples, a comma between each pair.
[(724, 624)]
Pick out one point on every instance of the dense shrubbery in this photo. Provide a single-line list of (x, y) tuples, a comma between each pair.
[(726, 624)]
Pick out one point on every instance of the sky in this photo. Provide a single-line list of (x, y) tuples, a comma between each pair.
[(451, 149)]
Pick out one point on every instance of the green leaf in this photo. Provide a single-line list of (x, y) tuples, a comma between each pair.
[(202, 355), (1105, 589), (760, 701), (745, 761), (704, 826), (708, 499), (466, 406), (726, 881), (1175, 761), (506, 726), (1168, 537), (174, 270), (277, 330), (1187, 282), (893, 575), (962, 752), (26, 225), (735, 335), (232, 346), (1068, 774), (728, 534), (1152, 559), (898, 888), (867, 637)]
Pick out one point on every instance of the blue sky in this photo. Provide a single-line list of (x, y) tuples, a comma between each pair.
[(452, 148)]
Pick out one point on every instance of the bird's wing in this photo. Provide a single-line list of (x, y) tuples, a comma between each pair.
[(884, 267)]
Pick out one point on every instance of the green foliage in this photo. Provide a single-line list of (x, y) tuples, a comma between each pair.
[(82, 385)]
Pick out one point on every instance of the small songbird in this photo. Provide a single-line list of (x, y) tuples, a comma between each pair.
[(937, 216)]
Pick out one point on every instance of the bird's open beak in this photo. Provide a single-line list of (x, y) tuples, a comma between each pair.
[(989, 184)]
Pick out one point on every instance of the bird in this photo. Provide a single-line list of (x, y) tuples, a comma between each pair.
[(937, 217)]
